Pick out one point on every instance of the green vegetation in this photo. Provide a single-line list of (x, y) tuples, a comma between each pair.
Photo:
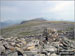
[(70, 28), (60, 31), (25, 33)]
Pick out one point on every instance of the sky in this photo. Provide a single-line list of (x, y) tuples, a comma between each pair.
[(27, 10)]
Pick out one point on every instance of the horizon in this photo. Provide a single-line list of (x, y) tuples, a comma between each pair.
[(28, 10)]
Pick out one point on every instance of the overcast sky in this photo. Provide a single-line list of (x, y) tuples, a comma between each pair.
[(26, 10)]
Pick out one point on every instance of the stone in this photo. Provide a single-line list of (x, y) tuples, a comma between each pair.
[(2, 49), (53, 54), (50, 34), (39, 55), (55, 44), (12, 54), (1, 38), (1, 43), (35, 41), (19, 49), (24, 55), (12, 43), (18, 45), (31, 47), (24, 42), (12, 48)]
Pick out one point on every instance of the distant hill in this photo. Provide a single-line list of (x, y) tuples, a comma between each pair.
[(35, 26), (4, 24), (8, 23), (34, 20), (39, 19)]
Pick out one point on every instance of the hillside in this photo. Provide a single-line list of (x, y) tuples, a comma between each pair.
[(34, 27), (34, 20)]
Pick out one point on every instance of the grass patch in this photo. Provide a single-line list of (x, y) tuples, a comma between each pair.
[(25, 33)]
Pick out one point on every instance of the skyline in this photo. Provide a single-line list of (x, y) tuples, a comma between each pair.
[(27, 10)]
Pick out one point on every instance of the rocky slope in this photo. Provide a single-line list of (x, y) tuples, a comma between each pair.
[(50, 43), (34, 27)]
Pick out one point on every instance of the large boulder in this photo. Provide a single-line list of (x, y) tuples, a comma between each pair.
[(50, 48), (54, 54), (39, 55), (2, 49), (50, 34), (12, 54), (1, 38)]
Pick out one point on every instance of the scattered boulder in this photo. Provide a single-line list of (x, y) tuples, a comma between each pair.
[(54, 54), (2, 50), (50, 34), (49, 44)]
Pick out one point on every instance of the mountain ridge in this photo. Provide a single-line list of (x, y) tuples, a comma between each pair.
[(34, 20), (33, 27)]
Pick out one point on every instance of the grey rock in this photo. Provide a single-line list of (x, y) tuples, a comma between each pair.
[(53, 54), (2, 49)]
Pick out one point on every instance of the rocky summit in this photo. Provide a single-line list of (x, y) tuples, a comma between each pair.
[(49, 43)]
